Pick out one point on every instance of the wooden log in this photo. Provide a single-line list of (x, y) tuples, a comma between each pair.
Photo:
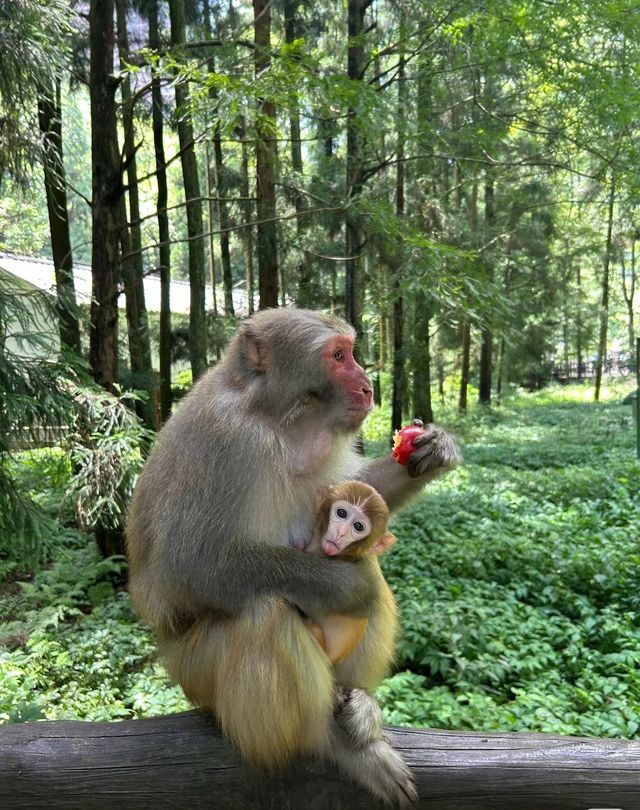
[(181, 761)]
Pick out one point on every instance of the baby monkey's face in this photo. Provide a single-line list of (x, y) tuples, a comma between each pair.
[(348, 524)]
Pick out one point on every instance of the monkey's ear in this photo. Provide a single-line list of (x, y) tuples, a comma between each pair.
[(383, 543), (254, 351)]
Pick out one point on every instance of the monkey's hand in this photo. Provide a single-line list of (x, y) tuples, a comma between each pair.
[(435, 453)]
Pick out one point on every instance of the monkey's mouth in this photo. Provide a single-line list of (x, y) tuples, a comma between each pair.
[(360, 410), (363, 407), (330, 547), (354, 417)]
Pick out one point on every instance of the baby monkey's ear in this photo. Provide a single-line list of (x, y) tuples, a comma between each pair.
[(382, 543)]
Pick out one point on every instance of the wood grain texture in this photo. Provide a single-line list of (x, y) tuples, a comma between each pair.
[(181, 761)]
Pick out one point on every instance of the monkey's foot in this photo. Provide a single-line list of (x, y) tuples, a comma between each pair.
[(376, 766), (395, 784), (358, 715)]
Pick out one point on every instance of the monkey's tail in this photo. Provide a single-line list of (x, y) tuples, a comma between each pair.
[(263, 675)]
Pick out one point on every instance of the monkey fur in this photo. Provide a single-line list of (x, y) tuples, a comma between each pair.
[(211, 570)]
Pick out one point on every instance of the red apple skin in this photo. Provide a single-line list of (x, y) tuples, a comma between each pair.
[(403, 443)]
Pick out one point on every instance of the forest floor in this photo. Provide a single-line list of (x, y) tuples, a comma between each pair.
[(517, 576)]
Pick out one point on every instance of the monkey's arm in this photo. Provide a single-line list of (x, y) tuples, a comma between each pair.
[(246, 571), (436, 453)]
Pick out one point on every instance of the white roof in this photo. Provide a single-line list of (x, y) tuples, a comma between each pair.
[(40, 273)]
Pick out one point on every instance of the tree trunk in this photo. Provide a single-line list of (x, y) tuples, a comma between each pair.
[(466, 361), (107, 196), (486, 346), (354, 236), (466, 325), (267, 243), (579, 324), (282, 286), (132, 265), (222, 185), (486, 362), (163, 224), (500, 369), (423, 305), (210, 178), (457, 196), (382, 326), (604, 301), (195, 230), (566, 318), (399, 394), (440, 367), (107, 191), (422, 403), (629, 292), (50, 120), (247, 231), (307, 292), (565, 332)]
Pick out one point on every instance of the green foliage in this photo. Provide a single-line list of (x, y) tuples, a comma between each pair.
[(24, 225), (43, 400), (517, 579), (105, 448), (182, 384), (35, 406), (34, 36), (70, 645)]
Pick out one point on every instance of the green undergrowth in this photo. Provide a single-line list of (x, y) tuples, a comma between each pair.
[(70, 645), (517, 576)]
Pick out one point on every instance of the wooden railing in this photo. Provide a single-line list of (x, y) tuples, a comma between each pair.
[(180, 761)]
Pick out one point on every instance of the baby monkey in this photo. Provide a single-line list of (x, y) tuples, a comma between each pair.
[(351, 523)]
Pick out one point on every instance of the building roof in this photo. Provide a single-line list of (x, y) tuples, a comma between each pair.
[(40, 274)]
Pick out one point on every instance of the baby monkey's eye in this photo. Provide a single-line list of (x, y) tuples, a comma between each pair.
[(337, 355), (358, 526), (341, 512)]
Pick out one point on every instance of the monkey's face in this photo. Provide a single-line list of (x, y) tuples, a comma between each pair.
[(298, 365), (348, 524), (348, 381)]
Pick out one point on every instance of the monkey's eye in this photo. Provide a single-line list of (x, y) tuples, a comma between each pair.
[(341, 512), (338, 355), (359, 526)]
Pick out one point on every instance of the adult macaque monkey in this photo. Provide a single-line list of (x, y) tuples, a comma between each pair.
[(211, 568), (351, 523)]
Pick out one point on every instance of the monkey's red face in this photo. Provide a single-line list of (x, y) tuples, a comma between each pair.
[(349, 378)]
